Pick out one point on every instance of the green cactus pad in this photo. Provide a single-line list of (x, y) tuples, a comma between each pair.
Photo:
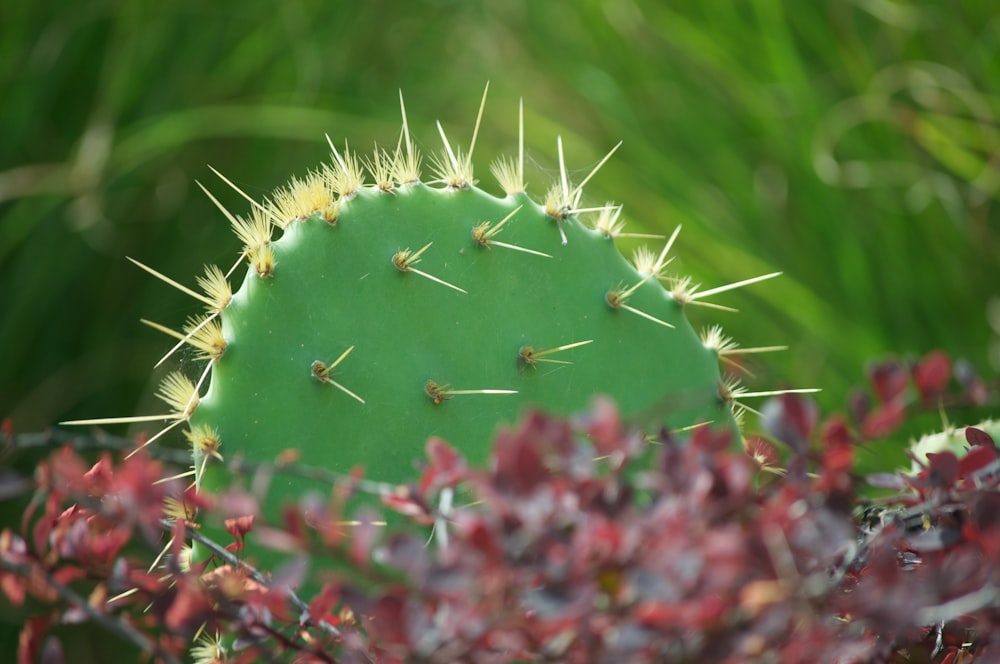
[(336, 287), (386, 314)]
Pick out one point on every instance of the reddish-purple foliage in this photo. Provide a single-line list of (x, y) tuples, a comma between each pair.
[(580, 541)]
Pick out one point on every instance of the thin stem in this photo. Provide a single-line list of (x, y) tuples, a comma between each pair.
[(228, 557)]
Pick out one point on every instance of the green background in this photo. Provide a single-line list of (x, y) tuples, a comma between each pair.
[(852, 145)]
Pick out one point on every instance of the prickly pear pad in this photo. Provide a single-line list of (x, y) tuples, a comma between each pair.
[(451, 344), (383, 315)]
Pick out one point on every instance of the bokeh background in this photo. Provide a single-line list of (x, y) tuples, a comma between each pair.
[(852, 145)]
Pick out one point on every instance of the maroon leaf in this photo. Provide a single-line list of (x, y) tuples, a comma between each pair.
[(931, 376), (711, 439), (604, 426), (791, 418), (518, 462), (942, 469), (656, 614), (836, 432), (977, 458), (553, 556), (889, 379), (322, 604), (189, 608), (978, 437), (238, 527), (30, 639), (484, 540), (883, 420), (836, 461), (101, 473), (409, 504), (983, 527), (295, 522), (986, 512), (859, 404), (445, 468), (389, 620)]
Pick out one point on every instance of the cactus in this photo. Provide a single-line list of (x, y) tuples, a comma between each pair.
[(385, 314), (951, 439)]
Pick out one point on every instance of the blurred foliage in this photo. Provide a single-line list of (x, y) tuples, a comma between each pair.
[(852, 145)]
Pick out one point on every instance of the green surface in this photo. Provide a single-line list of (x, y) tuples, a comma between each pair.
[(336, 287)]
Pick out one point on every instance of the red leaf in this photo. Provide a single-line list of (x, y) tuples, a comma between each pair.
[(942, 468), (888, 379), (978, 437), (836, 432), (483, 539), (446, 466), (883, 420), (986, 512), (239, 527), (517, 458), (323, 603), (791, 418), (712, 440), (410, 505), (389, 620), (13, 588), (976, 458), (604, 426), (67, 574), (443, 455), (658, 615), (101, 473), (29, 640), (859, 404), (189, 608), (294, 523), (932, 374), (838, 458), (983, 526)]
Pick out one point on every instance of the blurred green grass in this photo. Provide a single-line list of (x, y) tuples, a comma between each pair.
[(851, 145)]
